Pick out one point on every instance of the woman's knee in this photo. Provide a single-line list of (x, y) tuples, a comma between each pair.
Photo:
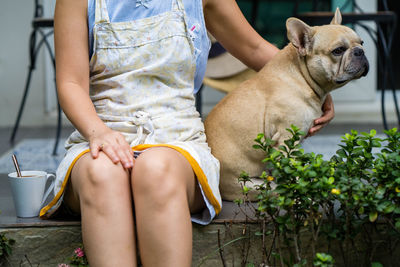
[(99, 177), (161, 174)]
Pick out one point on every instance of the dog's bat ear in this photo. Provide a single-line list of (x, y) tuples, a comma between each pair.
[(337, 19), (300, 35)]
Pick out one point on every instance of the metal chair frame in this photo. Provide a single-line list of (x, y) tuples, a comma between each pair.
[(37, 39)]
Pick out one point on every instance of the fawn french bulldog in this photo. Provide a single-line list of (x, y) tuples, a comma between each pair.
[(290, 89)]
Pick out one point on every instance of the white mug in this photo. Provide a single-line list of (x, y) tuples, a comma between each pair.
[(28, 191)]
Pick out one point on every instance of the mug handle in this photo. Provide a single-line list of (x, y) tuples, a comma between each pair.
[(51, 187)]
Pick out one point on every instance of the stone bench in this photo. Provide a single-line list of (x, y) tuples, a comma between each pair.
[(229, 238), (50, 242)]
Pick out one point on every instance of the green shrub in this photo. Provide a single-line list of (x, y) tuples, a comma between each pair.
[(334, 200), (5, 247)]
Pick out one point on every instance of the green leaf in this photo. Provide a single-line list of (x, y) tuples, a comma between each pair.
[(245, 189), (331, 180), (373, 215), (238, 201), (294, 127), (259, 137), (312, 174), (376, 264), (324, 257), (244, 174), (257, 147), (289, 143), (358, 150), (362, 143), (341, 153), (8, 250), (258, 233), (397, 210), (389, 208), (361, 210), (376, 143), (287, 170)]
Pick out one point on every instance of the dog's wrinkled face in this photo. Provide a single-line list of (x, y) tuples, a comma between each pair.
[(337, 56), (333, 53)]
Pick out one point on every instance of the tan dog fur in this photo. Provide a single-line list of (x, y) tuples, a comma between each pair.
[(290, 89)]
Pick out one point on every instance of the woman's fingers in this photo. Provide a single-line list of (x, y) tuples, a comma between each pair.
[(125, 158), (94, 149), (118, 153), (125, 152), (328, 114), (110, 152), (328, 110), (114, 145), (315, 129)]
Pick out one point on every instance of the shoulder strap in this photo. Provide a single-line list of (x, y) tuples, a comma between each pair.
[(101, 13)]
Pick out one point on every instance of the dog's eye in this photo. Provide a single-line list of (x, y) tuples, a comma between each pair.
[(339, 51), (362, 42)]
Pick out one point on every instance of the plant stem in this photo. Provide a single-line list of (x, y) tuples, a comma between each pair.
[(263, 241), (224, 245), (221, 250), (279, 248), (272, 246), (295, 237)]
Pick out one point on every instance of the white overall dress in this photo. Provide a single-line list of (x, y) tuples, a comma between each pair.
[(141, 84)]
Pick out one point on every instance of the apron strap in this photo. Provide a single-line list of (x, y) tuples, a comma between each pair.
[(101, 13), (177, 5)]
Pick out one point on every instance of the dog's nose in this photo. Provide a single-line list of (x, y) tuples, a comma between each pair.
[(358, 52)]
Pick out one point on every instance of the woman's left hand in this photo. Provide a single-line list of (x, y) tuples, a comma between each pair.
[(327, 115)]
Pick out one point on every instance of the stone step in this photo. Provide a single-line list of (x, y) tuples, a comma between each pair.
[(230, 240), (51, 245), (50, 242)]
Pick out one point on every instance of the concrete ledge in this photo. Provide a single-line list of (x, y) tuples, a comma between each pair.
[(46, 246), (229, 238), (50, 242), (49, 246), (235, 243)]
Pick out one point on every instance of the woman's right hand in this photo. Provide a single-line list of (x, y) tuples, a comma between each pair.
[(114, 145)]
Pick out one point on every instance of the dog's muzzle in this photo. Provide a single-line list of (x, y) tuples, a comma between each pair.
[(359, 55)]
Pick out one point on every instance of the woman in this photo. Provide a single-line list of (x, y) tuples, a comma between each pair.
[(139, 162)]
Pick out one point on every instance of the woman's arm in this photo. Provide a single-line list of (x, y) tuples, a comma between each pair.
[(72, 75), (226, 23)]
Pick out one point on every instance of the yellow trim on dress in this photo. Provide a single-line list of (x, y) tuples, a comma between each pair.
[(57, 197), (201, 177)]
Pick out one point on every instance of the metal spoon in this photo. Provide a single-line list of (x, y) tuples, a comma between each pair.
[(14, 158)]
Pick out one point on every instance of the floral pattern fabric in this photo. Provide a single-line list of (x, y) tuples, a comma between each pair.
[(141, 84)]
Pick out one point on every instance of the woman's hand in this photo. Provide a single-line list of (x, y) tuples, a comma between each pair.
[(327, 115), (114, 145)]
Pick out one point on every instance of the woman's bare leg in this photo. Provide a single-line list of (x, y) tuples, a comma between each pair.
[(165, 192), (101, 190)]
